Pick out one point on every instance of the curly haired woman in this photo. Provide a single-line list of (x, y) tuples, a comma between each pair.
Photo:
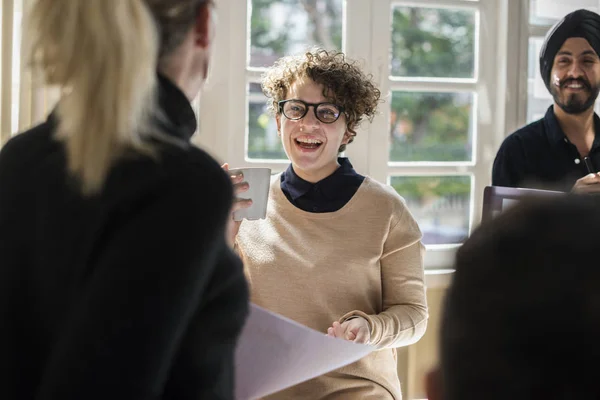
[(338, 252)]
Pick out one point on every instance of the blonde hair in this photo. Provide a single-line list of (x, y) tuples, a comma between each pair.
[(103, 54)]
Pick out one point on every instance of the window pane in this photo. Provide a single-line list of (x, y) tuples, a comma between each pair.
[(440, 204), (279, 28), (433, 42), (547, 12), (263, 142), (431, 126)]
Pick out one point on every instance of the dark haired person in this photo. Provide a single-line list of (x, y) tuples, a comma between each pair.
[(562, 150), (116, 281), (521, 319), (338, 252)]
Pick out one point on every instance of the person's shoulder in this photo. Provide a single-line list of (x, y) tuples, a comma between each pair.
[(383, 197), (187, 178), (23, 152), (197, 185), (387, 201), (199, 172), (22, 146), (530, 133), (535, 127), (198, 163), (41, 132)]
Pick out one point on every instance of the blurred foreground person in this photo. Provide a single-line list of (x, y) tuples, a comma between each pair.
[(522, 316), (116, 281)]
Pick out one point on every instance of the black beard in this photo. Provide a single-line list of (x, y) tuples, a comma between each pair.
[(572, 105)]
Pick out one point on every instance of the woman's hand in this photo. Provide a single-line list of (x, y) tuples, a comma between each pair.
[(356, 330), (239, 186)]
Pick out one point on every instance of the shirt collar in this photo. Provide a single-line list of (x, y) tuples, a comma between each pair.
[(557, 136), (298, 187), (177, 108), (178, 118)]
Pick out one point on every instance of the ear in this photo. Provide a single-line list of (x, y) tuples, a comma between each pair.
[(278, 121), (433, 384), (346, 138), (203, 29)]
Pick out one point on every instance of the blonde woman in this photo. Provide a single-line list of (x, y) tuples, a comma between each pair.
[(116, 281), (338, 252)]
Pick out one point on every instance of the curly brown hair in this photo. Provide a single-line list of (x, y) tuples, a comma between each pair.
[(344, 83)]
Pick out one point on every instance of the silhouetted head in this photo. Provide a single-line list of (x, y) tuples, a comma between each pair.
[(522, 316)]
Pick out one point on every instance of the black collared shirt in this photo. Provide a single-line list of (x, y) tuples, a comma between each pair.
[(541, 156), (327, 195)]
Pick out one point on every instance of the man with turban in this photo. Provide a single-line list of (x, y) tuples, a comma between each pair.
[(562, 150)]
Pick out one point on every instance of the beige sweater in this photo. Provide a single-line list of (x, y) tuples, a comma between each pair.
[(365, 259)]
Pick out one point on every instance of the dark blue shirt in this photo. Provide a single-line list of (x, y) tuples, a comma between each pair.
[(327, 195), (541, 156)]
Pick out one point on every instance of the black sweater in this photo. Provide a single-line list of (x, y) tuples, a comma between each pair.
[(130, 294)]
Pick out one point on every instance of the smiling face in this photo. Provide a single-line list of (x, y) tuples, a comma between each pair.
[(311, 145), (575, 76)]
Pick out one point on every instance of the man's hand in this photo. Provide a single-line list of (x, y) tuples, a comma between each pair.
[(356, 330), (588, 184)]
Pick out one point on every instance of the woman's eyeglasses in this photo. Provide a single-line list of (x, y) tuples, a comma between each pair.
[(294, 109)]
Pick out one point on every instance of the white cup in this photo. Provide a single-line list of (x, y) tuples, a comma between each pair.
[(259, 182)]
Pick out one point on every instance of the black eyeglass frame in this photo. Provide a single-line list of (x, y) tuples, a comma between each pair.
[(308, 105)]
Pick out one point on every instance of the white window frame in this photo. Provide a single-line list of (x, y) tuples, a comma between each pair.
[(523, 32), (223, 108), (516, 60)]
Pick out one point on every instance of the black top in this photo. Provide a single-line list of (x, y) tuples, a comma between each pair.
[(540, 156), (327, 195), (130, 294)]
